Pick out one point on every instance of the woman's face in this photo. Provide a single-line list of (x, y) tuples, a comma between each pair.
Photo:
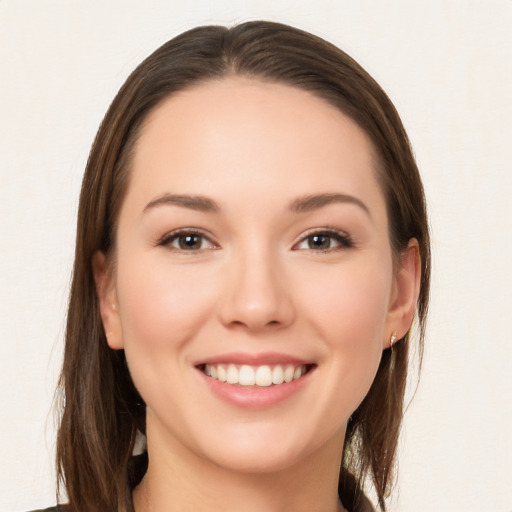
[(252, 248)]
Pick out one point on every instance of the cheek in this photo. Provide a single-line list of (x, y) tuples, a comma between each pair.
[(351, 303), (161, 305), (349, 309)]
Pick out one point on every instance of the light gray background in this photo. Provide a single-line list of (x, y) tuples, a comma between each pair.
[(447, 66)]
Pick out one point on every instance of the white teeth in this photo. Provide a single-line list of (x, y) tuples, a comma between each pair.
[(246, 376), (262, 376), (221, 374), (232, 375), (288, 373), (277, 375)]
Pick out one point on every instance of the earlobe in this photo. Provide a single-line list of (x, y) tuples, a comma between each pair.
[(107, 299), (405, 294)]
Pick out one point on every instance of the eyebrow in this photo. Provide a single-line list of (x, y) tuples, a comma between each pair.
[(301, 204), (314, 202), (200, 203)]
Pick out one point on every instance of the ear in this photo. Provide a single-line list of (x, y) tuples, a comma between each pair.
[(404, 297), (107, 298)]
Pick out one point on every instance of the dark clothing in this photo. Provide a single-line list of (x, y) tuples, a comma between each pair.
[(350, 489), (60, 508), (364, 507)]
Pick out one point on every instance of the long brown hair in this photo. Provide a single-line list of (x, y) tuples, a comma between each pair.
[(102, 410)]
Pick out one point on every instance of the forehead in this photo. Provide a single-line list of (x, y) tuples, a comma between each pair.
[(251, 135)]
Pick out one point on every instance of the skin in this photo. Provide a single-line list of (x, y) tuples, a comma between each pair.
[(254, 283)]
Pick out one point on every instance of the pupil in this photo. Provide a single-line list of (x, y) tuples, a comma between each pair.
[(319, 242), (190, 242)]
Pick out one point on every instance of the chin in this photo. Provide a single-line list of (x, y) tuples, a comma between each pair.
[(266, 449), (262, 461)]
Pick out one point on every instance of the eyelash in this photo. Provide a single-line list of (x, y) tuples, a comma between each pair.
[(169, 238), (343, 240)]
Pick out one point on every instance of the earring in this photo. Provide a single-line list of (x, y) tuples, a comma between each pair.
[(109, 334), (392, 340), (114, 306)]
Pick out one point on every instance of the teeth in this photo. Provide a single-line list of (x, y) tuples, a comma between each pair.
[(232, 375), (221, 374), (288, 373), (277, 375), (246, 376), (262, 376)]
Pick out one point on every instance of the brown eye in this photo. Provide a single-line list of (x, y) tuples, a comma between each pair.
[(190, 242), (325, 241), (319, 242)]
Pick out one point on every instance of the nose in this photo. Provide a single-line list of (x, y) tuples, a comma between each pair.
[(256, 295)]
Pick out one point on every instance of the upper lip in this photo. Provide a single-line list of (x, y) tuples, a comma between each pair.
[(265, 358)]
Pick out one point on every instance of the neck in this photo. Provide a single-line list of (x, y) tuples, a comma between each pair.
[(180, 481)]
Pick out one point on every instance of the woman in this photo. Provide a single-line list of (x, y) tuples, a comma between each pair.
[(252, 248)]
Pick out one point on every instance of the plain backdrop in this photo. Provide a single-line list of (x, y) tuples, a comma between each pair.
[(446, 64)]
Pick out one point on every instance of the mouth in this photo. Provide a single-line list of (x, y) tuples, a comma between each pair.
[(256, 376)]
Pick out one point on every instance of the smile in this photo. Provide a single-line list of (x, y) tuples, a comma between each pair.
[(262, 376), (255, 381)]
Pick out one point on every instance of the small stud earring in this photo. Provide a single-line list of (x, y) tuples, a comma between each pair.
[(114, 306), (392, 340), (109, 334)]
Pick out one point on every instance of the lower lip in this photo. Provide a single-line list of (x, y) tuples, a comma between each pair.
[(255, 397)]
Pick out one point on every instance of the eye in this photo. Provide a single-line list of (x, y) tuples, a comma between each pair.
[(187, 241), (322, 241)]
